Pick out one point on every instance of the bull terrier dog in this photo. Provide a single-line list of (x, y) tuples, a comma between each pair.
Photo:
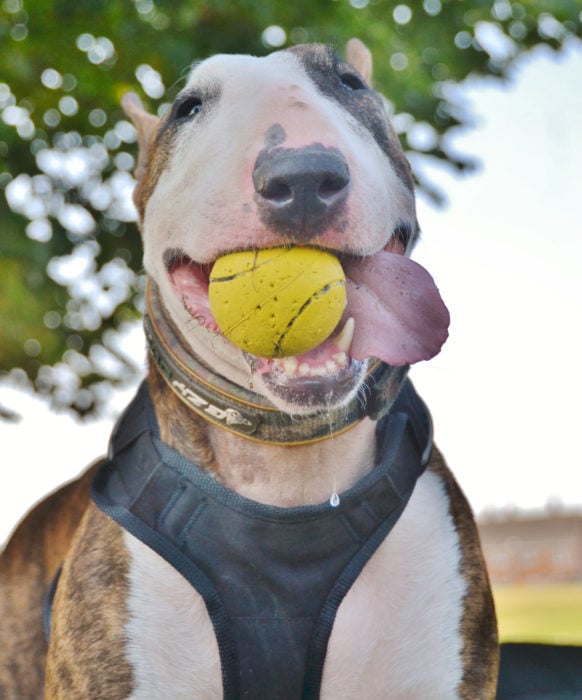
[(263, 528)]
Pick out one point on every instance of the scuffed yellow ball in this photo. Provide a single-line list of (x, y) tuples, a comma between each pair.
[(277, 302)]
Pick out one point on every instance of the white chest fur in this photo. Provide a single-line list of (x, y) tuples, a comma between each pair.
[(396, 634), (171, 642)]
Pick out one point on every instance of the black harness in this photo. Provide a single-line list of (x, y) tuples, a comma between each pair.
[(272, 578)]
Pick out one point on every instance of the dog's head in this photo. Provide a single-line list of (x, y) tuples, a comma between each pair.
[(291, 149)]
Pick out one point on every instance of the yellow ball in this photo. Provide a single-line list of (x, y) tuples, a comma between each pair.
[(277, 302)]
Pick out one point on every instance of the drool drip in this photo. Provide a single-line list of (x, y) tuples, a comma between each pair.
[(334, 499)]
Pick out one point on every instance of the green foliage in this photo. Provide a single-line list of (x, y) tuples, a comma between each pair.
[(66, 150)]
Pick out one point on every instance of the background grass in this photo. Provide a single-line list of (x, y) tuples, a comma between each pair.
[(549, 613)]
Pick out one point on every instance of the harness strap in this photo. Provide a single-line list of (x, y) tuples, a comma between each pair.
[(272, 578)]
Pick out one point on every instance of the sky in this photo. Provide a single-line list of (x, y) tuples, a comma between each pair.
[(505, 252)]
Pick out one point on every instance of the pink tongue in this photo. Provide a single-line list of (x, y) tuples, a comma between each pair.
[(399, 314)]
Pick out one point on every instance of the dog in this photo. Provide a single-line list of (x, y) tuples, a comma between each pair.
[(263, 528)]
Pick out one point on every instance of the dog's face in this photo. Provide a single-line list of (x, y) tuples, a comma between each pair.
[(291, 149)]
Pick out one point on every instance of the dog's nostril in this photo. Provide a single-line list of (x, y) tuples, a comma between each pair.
[(331, 186), (277, 191)]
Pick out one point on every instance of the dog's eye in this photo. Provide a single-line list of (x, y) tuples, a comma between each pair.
[(351, 81), (188, 107)]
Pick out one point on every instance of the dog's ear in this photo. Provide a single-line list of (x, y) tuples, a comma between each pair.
[(359, 56), (146, 125)]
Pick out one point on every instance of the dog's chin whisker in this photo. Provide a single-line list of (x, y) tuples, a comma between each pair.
[(362, 394)]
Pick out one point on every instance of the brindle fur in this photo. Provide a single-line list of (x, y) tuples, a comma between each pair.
[(86, 656), (27, 566), (479, 625)]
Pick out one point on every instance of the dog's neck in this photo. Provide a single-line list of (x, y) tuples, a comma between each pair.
[(271, 474), (298, 475)]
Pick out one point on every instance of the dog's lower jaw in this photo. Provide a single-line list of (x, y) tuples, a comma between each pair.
[(310, 394)]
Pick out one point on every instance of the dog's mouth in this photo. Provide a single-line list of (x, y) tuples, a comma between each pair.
[(323, 376), (394, 313)]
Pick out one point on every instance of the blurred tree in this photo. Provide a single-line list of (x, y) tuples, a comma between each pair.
[(70, 255)]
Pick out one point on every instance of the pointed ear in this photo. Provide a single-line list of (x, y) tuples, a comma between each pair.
[(146, 125), (359, 56)]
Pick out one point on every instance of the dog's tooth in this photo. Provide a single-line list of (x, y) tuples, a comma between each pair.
[(340, 358), (290, 365), (304, 370), (318, 372), (344, 338), (331, 366)]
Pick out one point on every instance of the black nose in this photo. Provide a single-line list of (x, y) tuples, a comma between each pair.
[(300, 191)]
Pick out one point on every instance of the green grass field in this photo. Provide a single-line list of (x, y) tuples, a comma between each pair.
[(549, 613)]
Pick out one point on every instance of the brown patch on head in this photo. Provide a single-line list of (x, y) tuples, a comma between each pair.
[(480, 655), (341, 82)]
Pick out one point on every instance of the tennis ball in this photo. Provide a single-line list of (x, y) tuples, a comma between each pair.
[(277, 302)]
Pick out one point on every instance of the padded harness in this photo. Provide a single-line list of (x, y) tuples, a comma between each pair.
[(272, 578)]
